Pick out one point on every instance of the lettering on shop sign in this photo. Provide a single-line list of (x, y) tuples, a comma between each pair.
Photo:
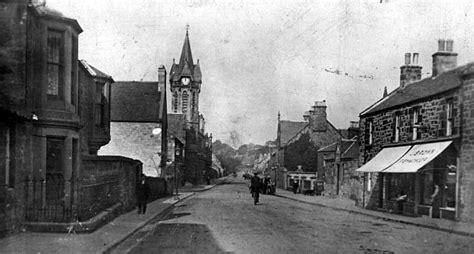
[(419, 156)]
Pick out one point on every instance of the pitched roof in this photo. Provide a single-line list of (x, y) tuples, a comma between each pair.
[(419, 90), (133, 101), (289, 129), (94, 72), (328, 148)]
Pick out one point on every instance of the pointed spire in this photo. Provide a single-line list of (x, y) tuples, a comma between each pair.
[(385, 93), (186, 55)]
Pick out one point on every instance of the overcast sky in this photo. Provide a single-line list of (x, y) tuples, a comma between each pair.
[(261, 57)]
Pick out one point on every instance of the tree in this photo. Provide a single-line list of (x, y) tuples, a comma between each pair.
[(301, 152)]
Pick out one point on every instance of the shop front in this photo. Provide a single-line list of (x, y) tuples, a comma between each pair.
[(422, 181)]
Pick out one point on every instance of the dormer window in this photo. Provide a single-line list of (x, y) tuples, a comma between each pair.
[(55, 65)]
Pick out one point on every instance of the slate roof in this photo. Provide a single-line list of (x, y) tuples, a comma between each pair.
[(94, 72), (288, 129), (419, 90), (133, 101)]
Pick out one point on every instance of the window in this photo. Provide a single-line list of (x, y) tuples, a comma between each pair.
[(54, 65), (73, 69), (54, 170), (100, 104), (449, 117), (194, 102), (416, 119), (185, 102), (175, 102), (371, 132), (396, 136)]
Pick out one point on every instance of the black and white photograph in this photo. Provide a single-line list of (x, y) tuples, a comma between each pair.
[(236, 126)]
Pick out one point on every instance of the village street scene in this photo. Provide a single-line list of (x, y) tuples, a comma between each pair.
[(197, 126)]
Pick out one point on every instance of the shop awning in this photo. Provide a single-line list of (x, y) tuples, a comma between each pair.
[(384, 159), (417, 157)]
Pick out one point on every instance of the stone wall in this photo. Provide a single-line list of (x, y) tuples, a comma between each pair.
[(136, 141), (466, 164), (105, 181)]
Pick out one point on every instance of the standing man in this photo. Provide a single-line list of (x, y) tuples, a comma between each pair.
[(143, 193), (295, 185), (255, 185)]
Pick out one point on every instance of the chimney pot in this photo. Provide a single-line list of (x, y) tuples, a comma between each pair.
[(441, 45), (415, 58), (449, 45), (407, 58)]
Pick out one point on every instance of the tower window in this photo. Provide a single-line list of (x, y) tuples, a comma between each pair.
[(185, 101), (175, 102)]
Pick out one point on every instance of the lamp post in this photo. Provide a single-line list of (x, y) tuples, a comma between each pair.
[(176, 155)]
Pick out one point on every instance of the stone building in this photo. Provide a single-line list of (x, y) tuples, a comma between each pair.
[(340, 160), (417, 142), (48, 137), (185, 86), (138, 123), (298, 142)]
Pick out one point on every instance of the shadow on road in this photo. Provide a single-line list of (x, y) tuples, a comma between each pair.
[(179, 238), (175, 215)]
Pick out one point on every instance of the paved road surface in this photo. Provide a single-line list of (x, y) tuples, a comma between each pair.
[(224, 220)]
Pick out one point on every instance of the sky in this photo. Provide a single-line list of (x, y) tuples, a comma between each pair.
[(261, 57)]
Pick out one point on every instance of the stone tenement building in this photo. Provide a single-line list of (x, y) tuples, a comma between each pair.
[(53, 117), (417, 143), (185, 86)]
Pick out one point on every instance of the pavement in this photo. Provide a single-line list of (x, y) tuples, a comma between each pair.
[(103, 239), (345, 204)]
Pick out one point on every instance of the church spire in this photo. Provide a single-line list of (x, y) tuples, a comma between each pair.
[(186, 59)]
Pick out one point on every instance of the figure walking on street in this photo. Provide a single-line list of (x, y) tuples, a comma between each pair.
[(142, 193), (295, 185), (255, 185)]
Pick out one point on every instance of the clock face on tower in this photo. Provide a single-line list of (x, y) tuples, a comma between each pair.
[(185, 81)]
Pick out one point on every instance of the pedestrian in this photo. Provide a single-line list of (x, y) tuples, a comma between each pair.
[(295, 185), (208, 179), (255, 185), (142, 193)]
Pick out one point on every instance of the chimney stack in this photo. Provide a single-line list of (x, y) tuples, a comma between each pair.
[(411, 71), (318, 117), (445, 59), (306, 116), (353, 130)]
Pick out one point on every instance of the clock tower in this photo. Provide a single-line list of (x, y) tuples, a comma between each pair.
[(185, 85)]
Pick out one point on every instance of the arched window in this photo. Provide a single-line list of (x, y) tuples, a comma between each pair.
[(175, 102), (185, 102)]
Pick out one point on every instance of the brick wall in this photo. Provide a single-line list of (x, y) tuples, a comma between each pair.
[(136, 141)]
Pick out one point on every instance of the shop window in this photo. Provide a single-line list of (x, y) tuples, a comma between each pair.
[(426, 187), (55, 65), (400, 185), (451, 186)]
